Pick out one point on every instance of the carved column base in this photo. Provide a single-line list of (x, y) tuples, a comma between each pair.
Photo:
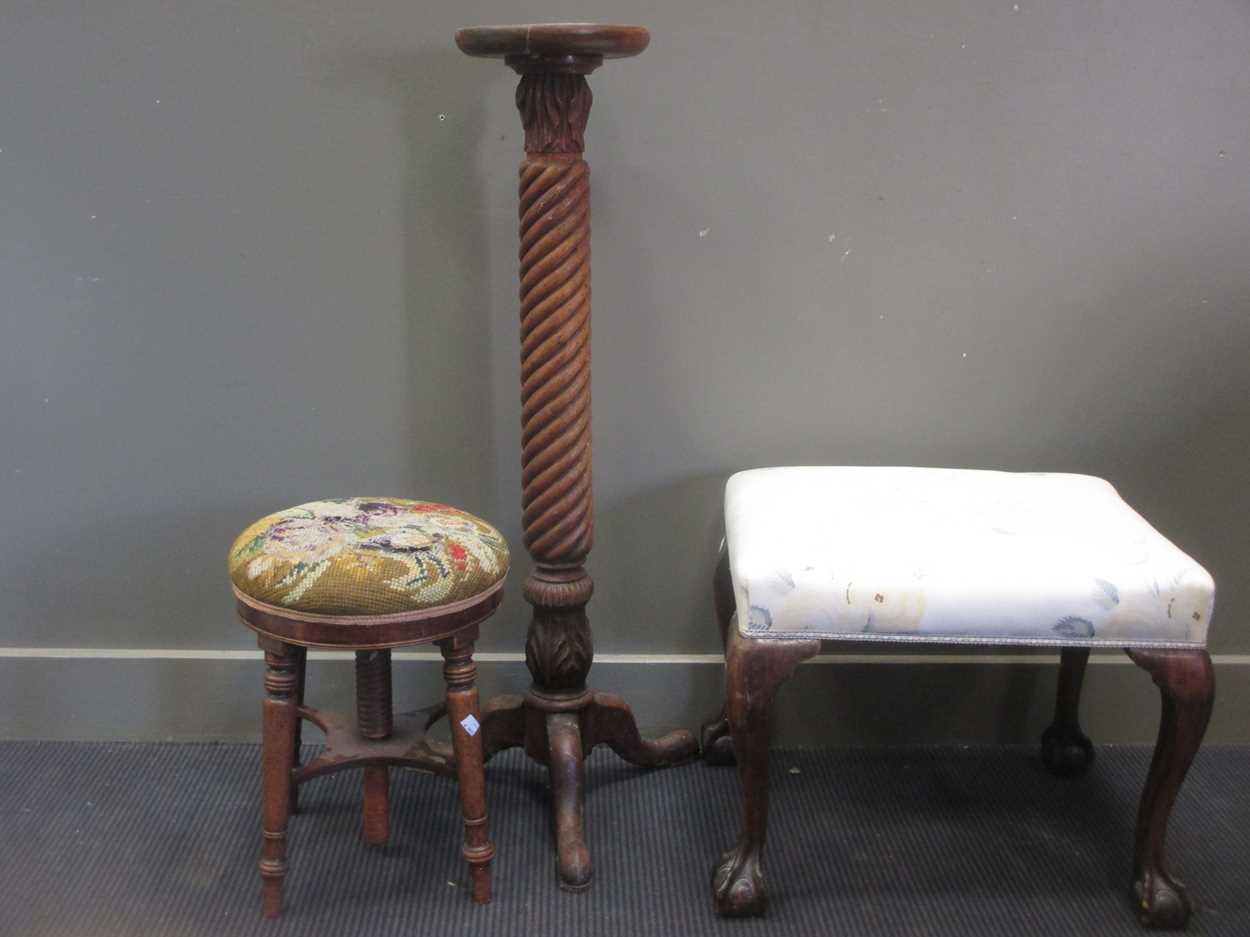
[(560, 735)]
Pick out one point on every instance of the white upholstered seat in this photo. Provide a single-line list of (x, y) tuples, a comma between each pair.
[(951, 555)]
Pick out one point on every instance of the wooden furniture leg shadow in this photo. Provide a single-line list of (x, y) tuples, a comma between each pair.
[(818, 554)]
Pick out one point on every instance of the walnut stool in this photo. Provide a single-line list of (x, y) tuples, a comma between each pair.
[(368, 574), (939, 555)]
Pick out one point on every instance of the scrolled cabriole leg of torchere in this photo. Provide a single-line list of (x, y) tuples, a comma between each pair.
[(1186, 682), (573, 864)]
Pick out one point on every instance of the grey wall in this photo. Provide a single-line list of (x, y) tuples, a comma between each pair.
[(257, 253)]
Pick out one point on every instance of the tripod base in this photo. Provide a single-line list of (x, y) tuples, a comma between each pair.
[(560, 732)]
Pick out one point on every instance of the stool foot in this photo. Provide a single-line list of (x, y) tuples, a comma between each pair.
[(738, 882), (1066, 751), (271, 898), (716, 742), (479, 877), (1161, 903)]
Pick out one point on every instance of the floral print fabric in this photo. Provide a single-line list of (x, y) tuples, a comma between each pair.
[(949, 555), (367, 556)]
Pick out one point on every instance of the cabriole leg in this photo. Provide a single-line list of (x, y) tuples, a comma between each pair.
[(564, 761), (754, 668), (1186, 683)]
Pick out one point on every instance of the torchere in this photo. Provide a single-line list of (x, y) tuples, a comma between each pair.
[(560, 719)]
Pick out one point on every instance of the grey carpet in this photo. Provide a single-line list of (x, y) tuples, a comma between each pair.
[(131, 839)]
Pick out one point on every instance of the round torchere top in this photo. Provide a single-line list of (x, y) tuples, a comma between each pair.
[(579, 47)]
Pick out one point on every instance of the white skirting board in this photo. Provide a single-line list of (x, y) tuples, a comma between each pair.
[(147, 694)]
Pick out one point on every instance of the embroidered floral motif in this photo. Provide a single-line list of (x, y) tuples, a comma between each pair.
[(367, 556)]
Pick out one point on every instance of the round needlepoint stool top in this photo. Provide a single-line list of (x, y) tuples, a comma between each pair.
[(367, 572)]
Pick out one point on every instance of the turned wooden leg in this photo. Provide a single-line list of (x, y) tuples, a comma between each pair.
[(1066, 751), (377, 804), (564, 762), (464, 718), (754, 668), (280, 719), (714, 738), (374, 720), (1186, 682), (301, 661)]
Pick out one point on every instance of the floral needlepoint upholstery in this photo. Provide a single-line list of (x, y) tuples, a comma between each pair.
[(963, 556), (367, 556)]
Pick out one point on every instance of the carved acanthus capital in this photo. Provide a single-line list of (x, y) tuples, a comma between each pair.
[(554, 109), (559, 649)]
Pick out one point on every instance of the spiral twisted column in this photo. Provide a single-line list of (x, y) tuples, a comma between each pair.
[(557, 510), (560, 720)]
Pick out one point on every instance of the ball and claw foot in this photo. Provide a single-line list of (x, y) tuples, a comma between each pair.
[(1161, 903), (738, 883), (1066, 751), (715, 742)]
